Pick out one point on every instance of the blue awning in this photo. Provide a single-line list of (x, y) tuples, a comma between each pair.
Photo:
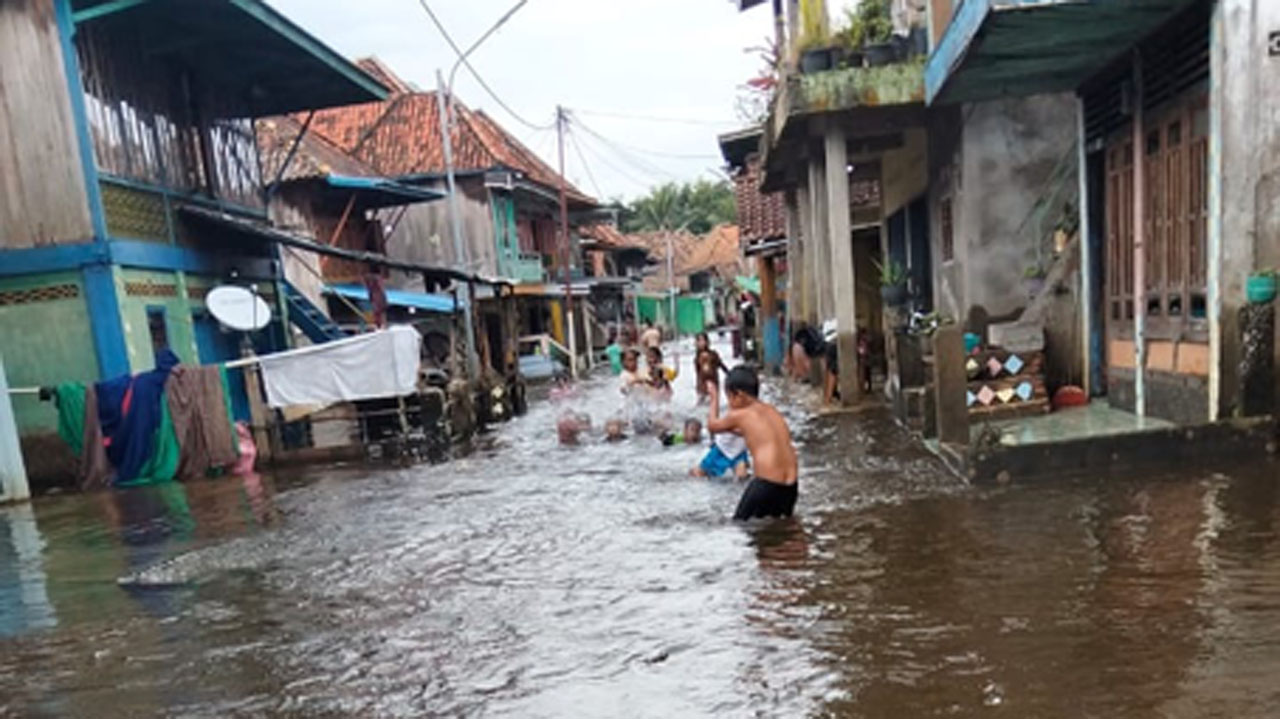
[(378, 192), (399, 298), (1014, 48)]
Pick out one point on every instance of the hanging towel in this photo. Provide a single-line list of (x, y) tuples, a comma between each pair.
[(369, 366), (79, 428), (198, 408), (130, 409), (161, 464), (70, 400), (95, 468)]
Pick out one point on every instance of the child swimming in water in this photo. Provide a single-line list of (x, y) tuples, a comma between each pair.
[(615, 430), (773, 489), (692, 434)]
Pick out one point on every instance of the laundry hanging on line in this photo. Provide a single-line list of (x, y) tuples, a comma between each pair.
[(369, 366), (151, 427)]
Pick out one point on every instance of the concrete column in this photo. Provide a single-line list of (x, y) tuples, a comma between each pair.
[(820, 255), (795, 268), (802, 292), (13, 472), (950, 384), (840, 266)]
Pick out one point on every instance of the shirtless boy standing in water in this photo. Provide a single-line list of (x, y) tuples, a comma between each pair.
[(772, 491)]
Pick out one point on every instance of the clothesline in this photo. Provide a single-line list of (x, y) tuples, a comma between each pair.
[(258, 359)]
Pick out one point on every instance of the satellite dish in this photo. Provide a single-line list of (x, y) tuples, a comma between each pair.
[(238, 308)]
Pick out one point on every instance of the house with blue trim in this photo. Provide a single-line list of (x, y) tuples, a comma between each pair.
[(131, 183), (1084, 190)]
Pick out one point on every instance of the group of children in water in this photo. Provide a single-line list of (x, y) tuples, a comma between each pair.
[(752, 435)]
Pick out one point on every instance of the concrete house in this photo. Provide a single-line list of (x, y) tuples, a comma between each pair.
[(1010, 194), (133, 177)]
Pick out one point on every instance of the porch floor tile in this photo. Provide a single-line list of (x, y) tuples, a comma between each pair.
[(1096, 420)]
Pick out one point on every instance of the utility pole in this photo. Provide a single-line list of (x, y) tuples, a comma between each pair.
[(443, 108), (460, 255), (564, 239)]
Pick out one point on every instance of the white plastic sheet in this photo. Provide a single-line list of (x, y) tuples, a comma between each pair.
[(368, 366)]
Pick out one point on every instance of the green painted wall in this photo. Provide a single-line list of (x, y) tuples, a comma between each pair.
[(140, 289), (44, 341)]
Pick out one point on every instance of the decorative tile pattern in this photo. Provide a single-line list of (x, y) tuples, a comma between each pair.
[(1006, 394), (972, 368), (1014, 364), (1025, 391), (986, 395), (994, 366), (970, 398)]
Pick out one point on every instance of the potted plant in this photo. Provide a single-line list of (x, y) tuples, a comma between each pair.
[(816, 52), (1033, 279), (893, 283), (1260, 288), (870, 28)]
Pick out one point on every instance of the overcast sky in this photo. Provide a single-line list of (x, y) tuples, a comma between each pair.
[(679, 59)]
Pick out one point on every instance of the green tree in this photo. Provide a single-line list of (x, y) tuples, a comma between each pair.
[(695, 206)]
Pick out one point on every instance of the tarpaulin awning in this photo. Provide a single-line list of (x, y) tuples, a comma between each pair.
[(1014, 48), (748, 284), (378, 192), (400, 298)]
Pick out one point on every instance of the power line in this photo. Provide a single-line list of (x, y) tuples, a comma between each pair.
[(646, 184), (655, 153), (639, 163), (653, 118), (467, 64), (578, 150)]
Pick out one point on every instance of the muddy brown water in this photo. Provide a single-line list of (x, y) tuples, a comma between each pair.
[(527, 580)]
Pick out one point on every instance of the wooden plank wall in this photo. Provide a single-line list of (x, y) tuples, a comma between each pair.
[(42, 195)]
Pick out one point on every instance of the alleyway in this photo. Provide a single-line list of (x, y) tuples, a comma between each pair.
[(533, 581)]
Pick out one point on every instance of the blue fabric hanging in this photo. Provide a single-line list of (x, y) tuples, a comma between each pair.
[(131, 434)]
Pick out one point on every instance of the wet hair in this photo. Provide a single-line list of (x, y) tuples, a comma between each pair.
[(742, 379), (693, 422), (655, 352), (648, 322), (702, 336)]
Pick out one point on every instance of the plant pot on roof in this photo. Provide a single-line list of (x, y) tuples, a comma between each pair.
[(1260, 288), (893, 283), (817, 51), (869, 27)]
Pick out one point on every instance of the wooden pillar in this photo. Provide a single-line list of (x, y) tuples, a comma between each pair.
[(950, 384), (820, 254), (840, 268), (771, 338), (260, 416)]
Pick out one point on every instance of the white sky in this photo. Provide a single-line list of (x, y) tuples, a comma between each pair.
[(655, 58)]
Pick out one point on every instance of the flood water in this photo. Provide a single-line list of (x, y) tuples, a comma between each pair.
[(530, 580)]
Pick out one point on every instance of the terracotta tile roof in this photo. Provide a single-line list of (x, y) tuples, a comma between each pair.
[(717, 251), (761, 216), (315, 157), (401, 136)]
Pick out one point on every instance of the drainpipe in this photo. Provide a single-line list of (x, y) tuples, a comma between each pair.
[(1139, 244), (1086, 269)]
